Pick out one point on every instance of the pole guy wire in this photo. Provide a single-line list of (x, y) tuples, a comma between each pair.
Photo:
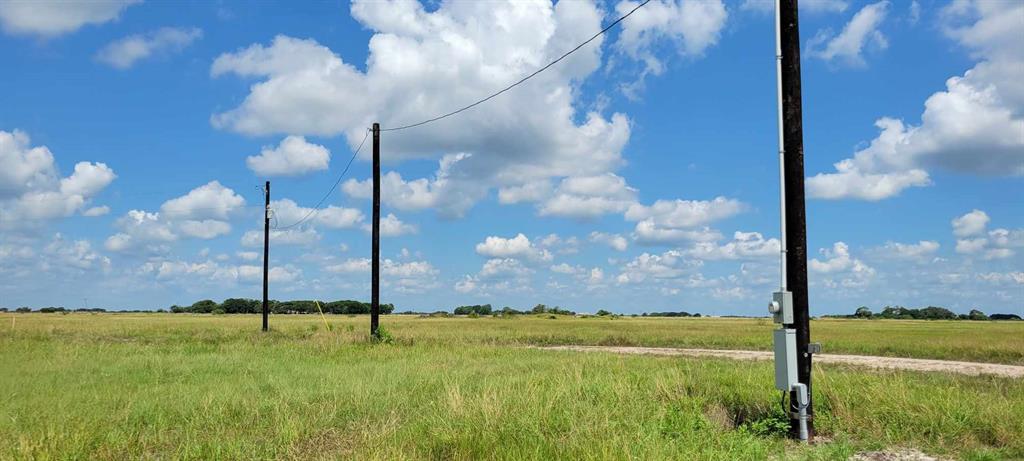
[(316, 208), (524, 79)]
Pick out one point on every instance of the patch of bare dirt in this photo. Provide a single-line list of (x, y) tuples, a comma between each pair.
[(888, 363)]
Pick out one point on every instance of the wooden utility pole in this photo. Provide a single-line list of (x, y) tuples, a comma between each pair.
[(266, 253), (375, 282), (796, 219)]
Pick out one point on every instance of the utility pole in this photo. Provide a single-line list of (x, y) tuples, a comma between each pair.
[(795, 208), (266, 253), (375, 282)]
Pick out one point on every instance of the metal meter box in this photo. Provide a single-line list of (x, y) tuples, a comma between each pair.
[(781, 307), (785, 358)]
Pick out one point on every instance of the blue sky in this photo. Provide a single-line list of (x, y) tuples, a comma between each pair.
[(638, 175)]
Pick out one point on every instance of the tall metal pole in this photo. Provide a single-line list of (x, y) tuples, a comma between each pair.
[(375, 283), (266, 253), (795, 214)]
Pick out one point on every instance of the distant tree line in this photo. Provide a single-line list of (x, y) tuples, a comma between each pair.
[(487, 309), (236, 306), (479, 309), (925, 313), (670, 314), (253, 306), (542, 309), (64, 310)]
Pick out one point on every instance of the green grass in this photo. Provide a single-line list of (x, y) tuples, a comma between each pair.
[(212, 387)]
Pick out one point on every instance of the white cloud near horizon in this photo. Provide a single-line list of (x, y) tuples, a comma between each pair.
[(973, 240), (919, 251), (202, 213), (744, 245), (839, 268)]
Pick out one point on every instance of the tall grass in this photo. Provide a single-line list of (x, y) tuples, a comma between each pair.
[(213, 387), (998, 342)]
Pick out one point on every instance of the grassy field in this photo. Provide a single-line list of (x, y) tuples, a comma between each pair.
[(212, 387)]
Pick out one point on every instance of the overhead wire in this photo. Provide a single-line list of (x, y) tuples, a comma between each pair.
[(520, 81), (316, 208)]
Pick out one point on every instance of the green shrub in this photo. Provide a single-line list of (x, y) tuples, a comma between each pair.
[(774, 425), (383, 336)]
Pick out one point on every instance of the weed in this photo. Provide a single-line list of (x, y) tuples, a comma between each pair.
[(773, 425), (383, 336)]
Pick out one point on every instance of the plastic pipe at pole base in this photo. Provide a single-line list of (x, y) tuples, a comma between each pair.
[(801, 404)]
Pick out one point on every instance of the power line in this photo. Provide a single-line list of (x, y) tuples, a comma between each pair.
[(331, 191), (542, 69)]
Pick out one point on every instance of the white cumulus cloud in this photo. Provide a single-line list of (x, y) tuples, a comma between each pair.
[(972, 239), (671, 264), (690, 26), (422, 63), (616, 241), (860, 33), (32, 190), (969, 224), (677, 221), (125, 52), (840, 269), (973, 127), (589, 197), (744, 245), (294, 236), (211, 200), (391, 226), (919, 251), (287, 212), (518, 247), (292, 157), (50, 19)]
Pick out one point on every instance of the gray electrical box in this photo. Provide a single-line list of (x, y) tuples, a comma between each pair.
[(781, 307), (785, 358)]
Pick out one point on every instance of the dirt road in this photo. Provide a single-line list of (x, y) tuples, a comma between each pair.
[(889, 363)]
